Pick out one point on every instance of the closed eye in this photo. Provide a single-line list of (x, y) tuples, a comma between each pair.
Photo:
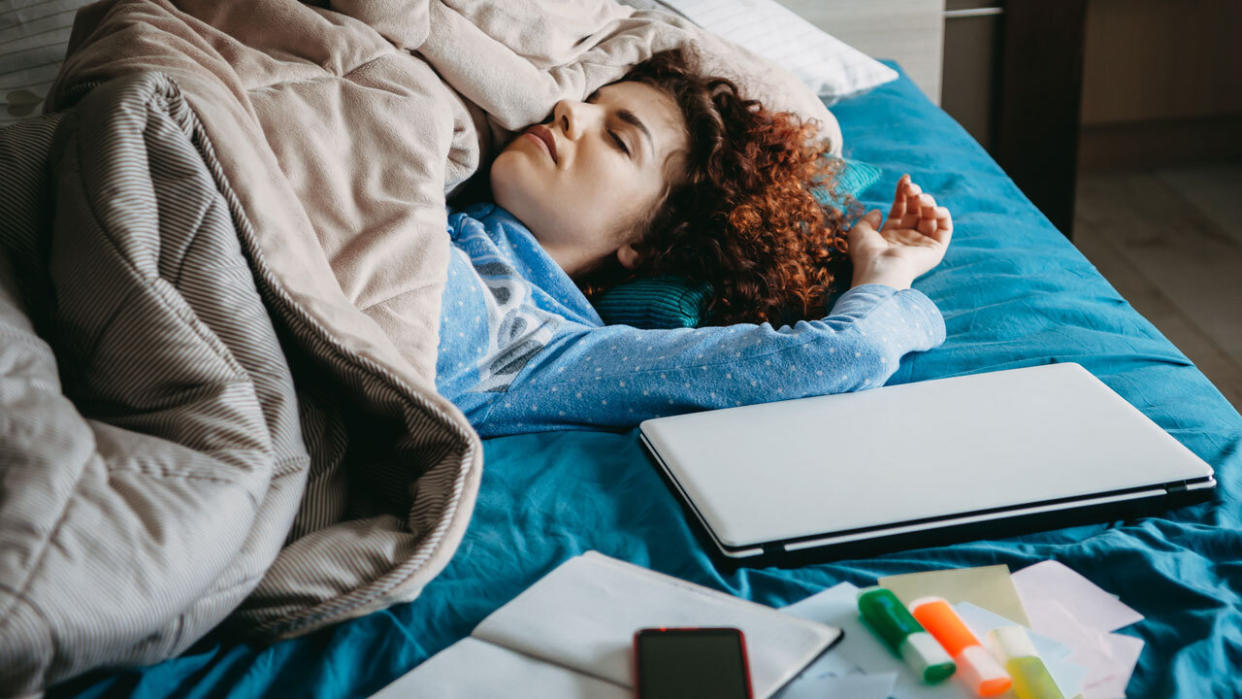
[(620, 143)]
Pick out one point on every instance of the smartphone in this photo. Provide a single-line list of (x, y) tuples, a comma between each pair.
[(689, 663)]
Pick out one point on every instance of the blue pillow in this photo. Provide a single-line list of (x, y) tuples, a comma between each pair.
[(673, 302), (655, 303), (853, 180)]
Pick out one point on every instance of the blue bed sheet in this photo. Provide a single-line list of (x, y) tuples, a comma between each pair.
[(1014, 292)]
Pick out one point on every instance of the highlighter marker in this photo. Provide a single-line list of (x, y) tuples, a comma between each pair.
[(978, 668), (1031, 679), (884, 614)]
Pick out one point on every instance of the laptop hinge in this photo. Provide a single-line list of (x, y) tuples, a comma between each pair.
[(1176, 488)]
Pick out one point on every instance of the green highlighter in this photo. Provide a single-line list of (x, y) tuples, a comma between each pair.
[(904, 635)]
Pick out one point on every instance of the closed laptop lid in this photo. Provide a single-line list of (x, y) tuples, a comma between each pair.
[(921, 451)]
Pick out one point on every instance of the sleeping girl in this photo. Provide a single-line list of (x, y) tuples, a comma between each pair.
[(669, 173)]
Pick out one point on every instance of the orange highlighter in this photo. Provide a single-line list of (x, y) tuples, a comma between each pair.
[(974, 663)]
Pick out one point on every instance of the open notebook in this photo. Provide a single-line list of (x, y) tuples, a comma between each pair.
[(570, 635)]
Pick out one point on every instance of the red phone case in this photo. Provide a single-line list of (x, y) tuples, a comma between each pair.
[(741, 639)]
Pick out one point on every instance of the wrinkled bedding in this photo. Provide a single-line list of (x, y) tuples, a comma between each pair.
[(1014, 292), (178, 444), (221, 258)]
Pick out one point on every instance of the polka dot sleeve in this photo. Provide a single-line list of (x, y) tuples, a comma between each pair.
[(616, 376)]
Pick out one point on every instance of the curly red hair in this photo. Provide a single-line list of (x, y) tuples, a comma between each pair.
[(743, 215)]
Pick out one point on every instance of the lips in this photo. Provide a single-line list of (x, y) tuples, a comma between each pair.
[(544, 134)]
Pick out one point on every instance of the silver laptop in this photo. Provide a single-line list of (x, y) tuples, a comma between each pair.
[(906, 466)]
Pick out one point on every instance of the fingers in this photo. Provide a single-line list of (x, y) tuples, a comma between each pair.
[(912, 208), (899, 199), (944, 219), (932, 218), (906, 205), (942, 231), (868, 223), (933, 221), (905, 199), (914, 193), (926, 222)]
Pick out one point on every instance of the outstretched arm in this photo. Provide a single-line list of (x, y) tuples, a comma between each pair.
[(616, 376)]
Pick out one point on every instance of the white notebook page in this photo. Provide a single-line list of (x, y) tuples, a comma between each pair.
[(583, 616)]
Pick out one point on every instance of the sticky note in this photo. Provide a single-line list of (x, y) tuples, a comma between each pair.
[(986, 586)]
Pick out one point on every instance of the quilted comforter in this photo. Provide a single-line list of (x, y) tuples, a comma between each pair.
[(221, 258)]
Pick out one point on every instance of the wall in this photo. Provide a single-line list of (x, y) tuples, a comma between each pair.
[(1162, 83), (1162, 79)]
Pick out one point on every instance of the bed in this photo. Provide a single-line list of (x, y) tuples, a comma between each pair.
[(1014, 292)]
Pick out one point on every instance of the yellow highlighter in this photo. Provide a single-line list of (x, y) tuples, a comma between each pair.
[(1031, 679)]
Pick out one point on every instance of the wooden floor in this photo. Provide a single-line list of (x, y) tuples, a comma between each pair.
[(1171, 242)]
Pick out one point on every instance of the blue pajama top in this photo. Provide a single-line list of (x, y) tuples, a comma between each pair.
[(522, 350)]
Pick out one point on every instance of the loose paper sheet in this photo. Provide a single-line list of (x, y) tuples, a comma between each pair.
[(1057, 657), (1125, 651), (1108, 657), (1070, 608), (861, 651), (989, 587), (851, 686), (1084, 600)]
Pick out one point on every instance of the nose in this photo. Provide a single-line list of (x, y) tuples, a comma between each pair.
[(574, 118)]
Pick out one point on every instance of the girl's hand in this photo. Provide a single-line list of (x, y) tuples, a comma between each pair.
[(911, 243)]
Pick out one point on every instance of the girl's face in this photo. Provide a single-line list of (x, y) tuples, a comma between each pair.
[(608, 162)]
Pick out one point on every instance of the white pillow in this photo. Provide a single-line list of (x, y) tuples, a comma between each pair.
[(830, 67)]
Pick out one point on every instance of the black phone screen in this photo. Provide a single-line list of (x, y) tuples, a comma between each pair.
[(688, 663)]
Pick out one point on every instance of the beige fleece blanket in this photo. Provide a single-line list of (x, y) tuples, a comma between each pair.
[(354, 122), (335, 135)]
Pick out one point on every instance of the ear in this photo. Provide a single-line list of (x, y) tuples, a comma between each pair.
[(628, 256)]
